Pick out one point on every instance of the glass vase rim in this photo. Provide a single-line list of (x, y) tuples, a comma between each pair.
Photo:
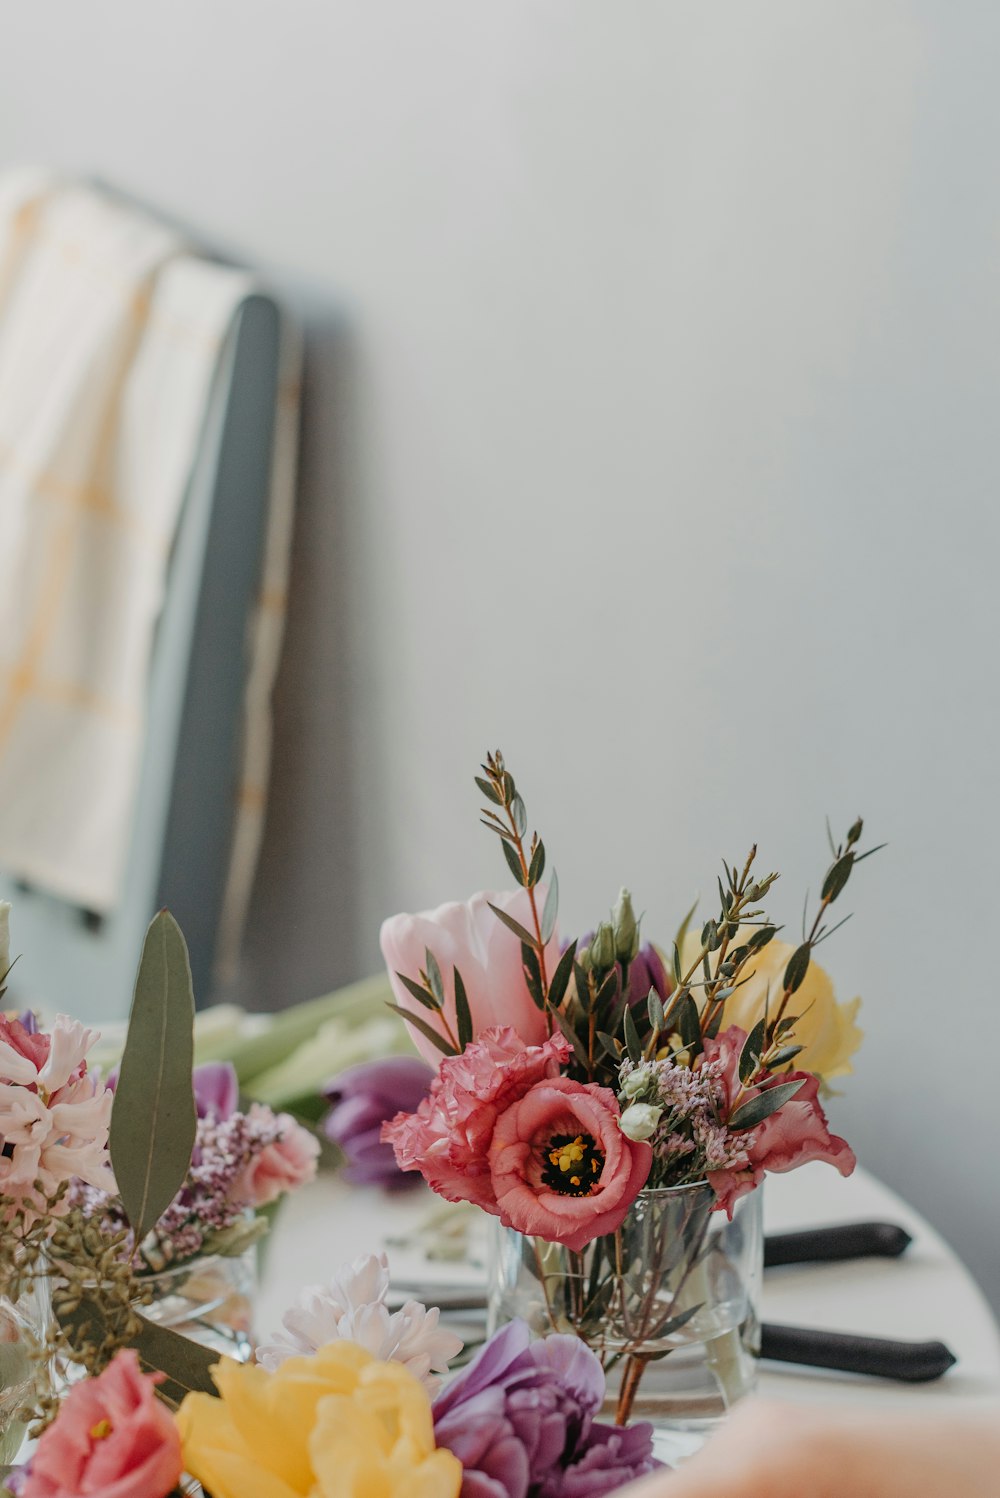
[(689, 1188)]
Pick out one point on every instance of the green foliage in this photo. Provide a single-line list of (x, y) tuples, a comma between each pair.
[(153, 1120)]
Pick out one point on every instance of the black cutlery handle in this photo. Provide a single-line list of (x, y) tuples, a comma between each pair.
[(849, 1240), (879, 1357)]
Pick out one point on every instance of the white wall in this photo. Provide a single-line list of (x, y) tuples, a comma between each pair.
[(650, 433)]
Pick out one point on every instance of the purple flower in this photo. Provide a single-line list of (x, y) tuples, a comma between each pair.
[(520, 1419), (364, 1097), (216, 1090), (30, 1024)]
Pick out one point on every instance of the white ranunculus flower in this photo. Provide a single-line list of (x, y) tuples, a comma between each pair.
[(352, 1308)]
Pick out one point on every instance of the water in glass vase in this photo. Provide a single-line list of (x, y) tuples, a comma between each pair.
[(668, 1303)]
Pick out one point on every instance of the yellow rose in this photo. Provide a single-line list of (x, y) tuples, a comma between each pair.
[(339, 1424), (825, 1029)]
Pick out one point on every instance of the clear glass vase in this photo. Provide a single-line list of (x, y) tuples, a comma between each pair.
[(24, 1326), (669, 1303), (209, 1299)]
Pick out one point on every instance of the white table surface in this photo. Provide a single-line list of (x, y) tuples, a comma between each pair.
[(924, 1295)]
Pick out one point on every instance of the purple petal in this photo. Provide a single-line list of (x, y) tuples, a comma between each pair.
[(399, 1082), (489, 1366), (216, 1089)]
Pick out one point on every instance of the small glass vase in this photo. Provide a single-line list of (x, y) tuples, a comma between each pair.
[(24, 1326), (669, 1303), (209, 1299)]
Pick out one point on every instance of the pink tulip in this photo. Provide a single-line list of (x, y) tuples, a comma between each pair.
[(112, 1437), (472, 938)]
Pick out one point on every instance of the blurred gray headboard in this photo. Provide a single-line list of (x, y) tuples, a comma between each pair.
[(180, 843)]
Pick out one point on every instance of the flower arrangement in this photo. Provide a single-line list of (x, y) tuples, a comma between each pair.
[(574, 1076)]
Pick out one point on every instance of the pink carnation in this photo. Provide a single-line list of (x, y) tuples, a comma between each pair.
[(112, 1436), (448, 1138), (284, 1165), (795, 1135)]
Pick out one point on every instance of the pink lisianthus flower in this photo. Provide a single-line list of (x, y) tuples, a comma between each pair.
[(560, 1165), (112, 1436), (472, 938), (448, 1138), (795, 1135), (287, 1163)]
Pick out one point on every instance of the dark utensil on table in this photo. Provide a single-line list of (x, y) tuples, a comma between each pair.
[(848, 1240), (842, 1352), (878, 1357)]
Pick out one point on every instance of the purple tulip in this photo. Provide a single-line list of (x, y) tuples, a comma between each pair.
[(520, 1419), (216, 1089), (28, 1021), (364, 1097)]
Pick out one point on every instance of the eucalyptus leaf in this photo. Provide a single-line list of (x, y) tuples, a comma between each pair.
[(560, 978), (550, 910), (754, 1111), (463, 1013), (153, 1119), (654, 1008), (632, 1043), (434, 977), (489, 791), (508, 920), (798, 966), (610, 1045), (537, 865), (518, 814), (752, 1050), (688, 1021), (532, 974), (426, 1030), (419, 992), (513, 861), (837, 876)]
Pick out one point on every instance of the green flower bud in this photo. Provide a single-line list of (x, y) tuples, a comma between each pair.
[(626, 928), (637, 1081), (602, 949)]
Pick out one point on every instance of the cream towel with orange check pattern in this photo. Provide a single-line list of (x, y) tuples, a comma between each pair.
[(110, 338)]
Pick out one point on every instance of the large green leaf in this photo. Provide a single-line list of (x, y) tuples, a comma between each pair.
[(153, 1119), (184, 1363)]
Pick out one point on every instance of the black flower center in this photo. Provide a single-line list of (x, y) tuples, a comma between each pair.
[(572, 1166)]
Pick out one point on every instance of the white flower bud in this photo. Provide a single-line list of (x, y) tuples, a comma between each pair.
[(640, 1120)]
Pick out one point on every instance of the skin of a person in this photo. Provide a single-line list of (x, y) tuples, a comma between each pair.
[(769, 1450)]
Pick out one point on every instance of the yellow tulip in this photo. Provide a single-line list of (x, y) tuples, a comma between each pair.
[(826, 1030), (339, 1424)]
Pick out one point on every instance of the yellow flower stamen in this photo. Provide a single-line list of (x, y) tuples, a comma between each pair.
[(568, 1155), (101, 1430)]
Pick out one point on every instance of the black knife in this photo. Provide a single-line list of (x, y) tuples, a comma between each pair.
[(878, 1357)]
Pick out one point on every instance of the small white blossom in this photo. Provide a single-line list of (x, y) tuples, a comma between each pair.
[(640, 1120), (352, 1308)]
